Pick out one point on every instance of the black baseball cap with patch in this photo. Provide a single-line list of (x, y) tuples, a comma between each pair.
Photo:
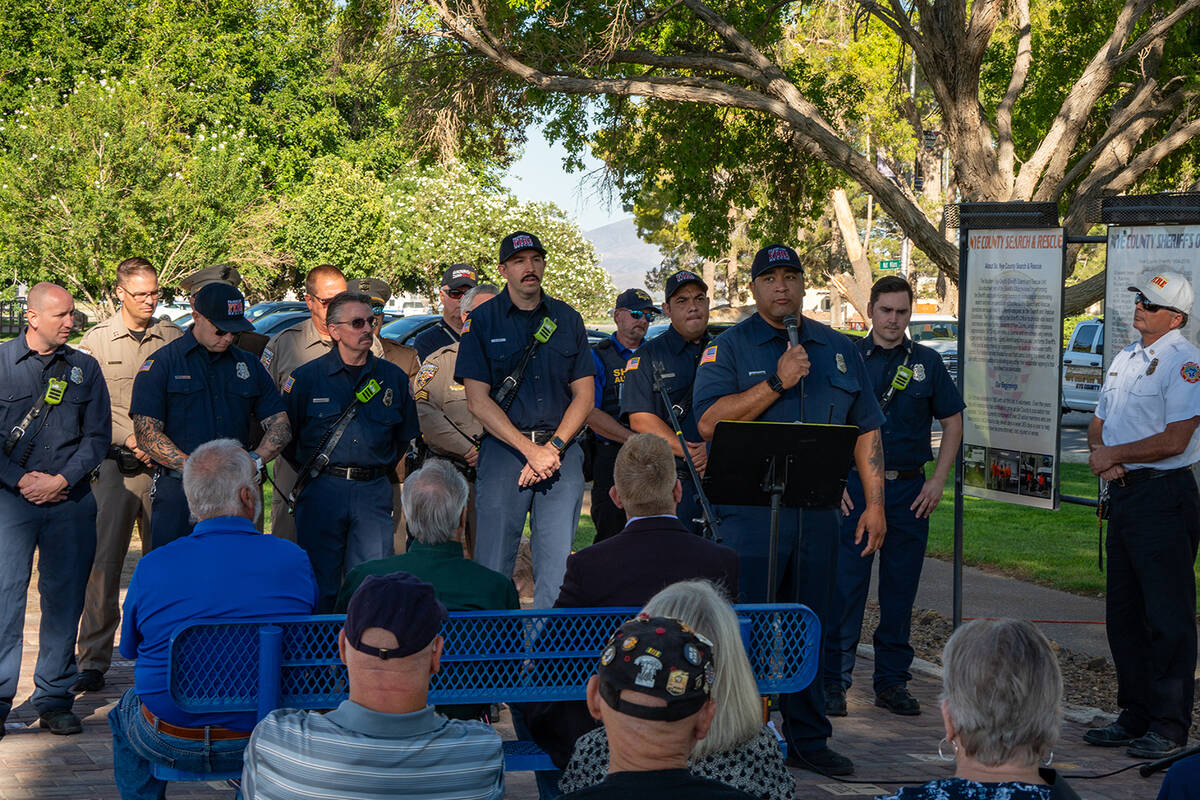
[(399, 603), (772, 256), (682, 278), (224, 306), (516, 242), (635, 300), (460, 276), (658, 657)]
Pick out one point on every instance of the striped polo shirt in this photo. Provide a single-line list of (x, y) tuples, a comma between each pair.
[(354, 752)]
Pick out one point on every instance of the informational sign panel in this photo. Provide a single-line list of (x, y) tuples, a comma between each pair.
[(1011, 363), (1136, 254)]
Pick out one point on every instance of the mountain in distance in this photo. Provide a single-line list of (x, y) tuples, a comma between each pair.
[(625, 257)]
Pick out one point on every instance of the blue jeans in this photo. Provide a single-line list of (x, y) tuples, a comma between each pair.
[(552, 506), (170, 518), (136, 745), (340, 524), (64, 534), (747, 530), (900, 561)]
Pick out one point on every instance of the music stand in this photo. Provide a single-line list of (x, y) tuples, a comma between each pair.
[(773, 463)]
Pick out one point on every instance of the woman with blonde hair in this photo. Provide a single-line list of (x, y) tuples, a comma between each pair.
[(739, 750)]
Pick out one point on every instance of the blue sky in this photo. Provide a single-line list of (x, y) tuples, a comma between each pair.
[(539, 175)]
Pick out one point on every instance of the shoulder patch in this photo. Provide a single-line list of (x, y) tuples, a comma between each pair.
[(632, 363), (425, 375), (288, 384), (267, 356), (467, 325), (1190, 372), (709, 355), (145, 367)]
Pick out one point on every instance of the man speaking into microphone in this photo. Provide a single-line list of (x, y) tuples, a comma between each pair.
[(775, 368)]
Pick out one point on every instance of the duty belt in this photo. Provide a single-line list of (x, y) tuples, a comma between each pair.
[(202, 734), (355, 473), (538, 437), (1135, 476)]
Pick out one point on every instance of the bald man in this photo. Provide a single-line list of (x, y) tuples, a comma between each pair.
[(59, 422)]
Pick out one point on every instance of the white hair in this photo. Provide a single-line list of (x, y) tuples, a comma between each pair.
[(434, 498), (702, 606), (467, 304), (213, 477)]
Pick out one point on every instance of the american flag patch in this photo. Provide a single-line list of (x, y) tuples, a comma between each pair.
[(146, 366), (710, 355), (288, 384), (632, 363)]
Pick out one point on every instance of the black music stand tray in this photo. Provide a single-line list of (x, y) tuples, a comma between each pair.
[(779, 464)]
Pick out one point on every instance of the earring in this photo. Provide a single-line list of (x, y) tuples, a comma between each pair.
[(1050, 758), (941, 754)]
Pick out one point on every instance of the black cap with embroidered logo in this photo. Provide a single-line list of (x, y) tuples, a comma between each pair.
[(635, 300), (460, 276), (516, 242), (223, 306), (658, 657), (681, 278), (772, 256), (399, 603)]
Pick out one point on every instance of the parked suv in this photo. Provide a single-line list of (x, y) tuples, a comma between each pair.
[(938, 332), (1083, 366)]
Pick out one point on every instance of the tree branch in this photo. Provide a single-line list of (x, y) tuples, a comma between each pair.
[(1020, 72), (711, 62), (1156, 32)]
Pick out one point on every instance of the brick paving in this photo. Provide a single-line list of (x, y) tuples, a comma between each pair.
[(36, 764)]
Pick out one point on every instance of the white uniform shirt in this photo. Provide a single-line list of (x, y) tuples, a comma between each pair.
[(1146, 389)]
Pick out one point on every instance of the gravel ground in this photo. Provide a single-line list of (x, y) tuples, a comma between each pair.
[(1087, 680)]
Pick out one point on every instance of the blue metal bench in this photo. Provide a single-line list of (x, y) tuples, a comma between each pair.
[(489, 657)]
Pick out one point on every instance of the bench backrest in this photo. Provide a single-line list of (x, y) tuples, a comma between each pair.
[(489, 657)]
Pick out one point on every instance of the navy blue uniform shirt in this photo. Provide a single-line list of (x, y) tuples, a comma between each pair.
[(605, 381), (70, 439), (435, 337), (318, 392), (836, 389), (677, 355), (492, 343), (930, 393), (201, 396)]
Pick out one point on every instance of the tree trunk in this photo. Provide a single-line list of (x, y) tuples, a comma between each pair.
[(858, 283)]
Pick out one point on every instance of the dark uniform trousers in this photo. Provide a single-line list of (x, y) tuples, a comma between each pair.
[(1153, 533), (900, 561), (608, 519), (170, 518)]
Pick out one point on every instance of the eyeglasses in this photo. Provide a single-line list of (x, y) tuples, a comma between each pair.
[(220, 333), (324, 301), (455, 293), (1149, 307), (639, 314), (139, 297), (358, 323)]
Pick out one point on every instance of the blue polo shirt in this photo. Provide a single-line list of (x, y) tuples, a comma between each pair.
[(68, 439), (224, 570), (930, 393), (679, 358), (318, 392), (493, 340), (201, 396), (837, 389)]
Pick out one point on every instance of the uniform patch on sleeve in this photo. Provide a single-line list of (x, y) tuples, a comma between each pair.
[(288, 384), (1190, 372), (425, 375), (145, 367), (467, 325), (422, 394), (632, 363), (266, 358), (710, 355)]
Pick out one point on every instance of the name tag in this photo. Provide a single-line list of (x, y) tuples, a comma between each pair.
[(757, 372), (320, 399), (183, 377), (498, 341)]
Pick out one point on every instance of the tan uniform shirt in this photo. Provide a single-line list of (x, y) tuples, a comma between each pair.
[(120, 356), (295, 347), (442, 401), (402, 356)]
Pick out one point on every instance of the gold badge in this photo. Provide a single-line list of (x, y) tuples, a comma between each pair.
[(677, 681), (1153, 366), (629, 643)]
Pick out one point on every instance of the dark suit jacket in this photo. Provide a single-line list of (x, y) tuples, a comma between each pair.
[(626, 570), (647, 556)]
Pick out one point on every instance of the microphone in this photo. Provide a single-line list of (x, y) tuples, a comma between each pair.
[(793, 329)]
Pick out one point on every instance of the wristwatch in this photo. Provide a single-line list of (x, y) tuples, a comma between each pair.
[(776, 384), (558, 444)]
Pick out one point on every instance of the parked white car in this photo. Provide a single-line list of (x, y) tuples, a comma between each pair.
[(1083, 367), (938, 332), (173, 311)]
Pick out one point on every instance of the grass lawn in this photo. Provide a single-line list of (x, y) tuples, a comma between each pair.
[(1053, 548)]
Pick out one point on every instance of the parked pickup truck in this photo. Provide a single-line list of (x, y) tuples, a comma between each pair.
[(1083, 367)]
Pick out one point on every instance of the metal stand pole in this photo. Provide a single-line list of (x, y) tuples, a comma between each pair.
[(959, 466)]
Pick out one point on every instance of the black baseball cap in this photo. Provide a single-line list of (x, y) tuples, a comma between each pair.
[(772, 256), (459, 276), (684, 276), (635, 300), (518, 241), (401, 604), (224, 306), (659, 657)]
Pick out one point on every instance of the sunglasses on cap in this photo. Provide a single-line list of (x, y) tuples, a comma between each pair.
[(358, 323), (1149, 307)]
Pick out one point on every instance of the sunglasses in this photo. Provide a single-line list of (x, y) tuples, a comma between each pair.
[(455, 293), (220, 332), (641, 314), (377, 310), (324, 301), (358, 323), (1151, 308)]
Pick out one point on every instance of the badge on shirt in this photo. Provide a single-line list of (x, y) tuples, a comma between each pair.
[(387, 397), (632, 363), (709, 356), (841, 362), (243, 371), (266, 357), (1190, 372), (425, 375), (1153, 366), (76, 375), (918, 372), (146, 366), (288, 384)]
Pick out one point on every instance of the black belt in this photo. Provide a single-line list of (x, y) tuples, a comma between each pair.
[(355, 473), (1135, 476), (166, 472), (538, 437)]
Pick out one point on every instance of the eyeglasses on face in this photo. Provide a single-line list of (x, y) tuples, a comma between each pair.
[(358, 323), (1152, 308), (140, 297), (324, 301)]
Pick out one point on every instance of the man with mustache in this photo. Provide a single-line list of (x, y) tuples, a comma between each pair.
[(525, 363), (354, 416)]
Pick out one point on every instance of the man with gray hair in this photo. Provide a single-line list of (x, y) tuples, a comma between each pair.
[(435, 500), (224, 569)]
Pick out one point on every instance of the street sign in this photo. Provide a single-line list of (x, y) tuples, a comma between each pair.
[(890, 263)]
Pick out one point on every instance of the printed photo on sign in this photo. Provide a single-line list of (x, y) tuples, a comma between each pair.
[(1037, 474), (1004, 472), (975, 460)]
